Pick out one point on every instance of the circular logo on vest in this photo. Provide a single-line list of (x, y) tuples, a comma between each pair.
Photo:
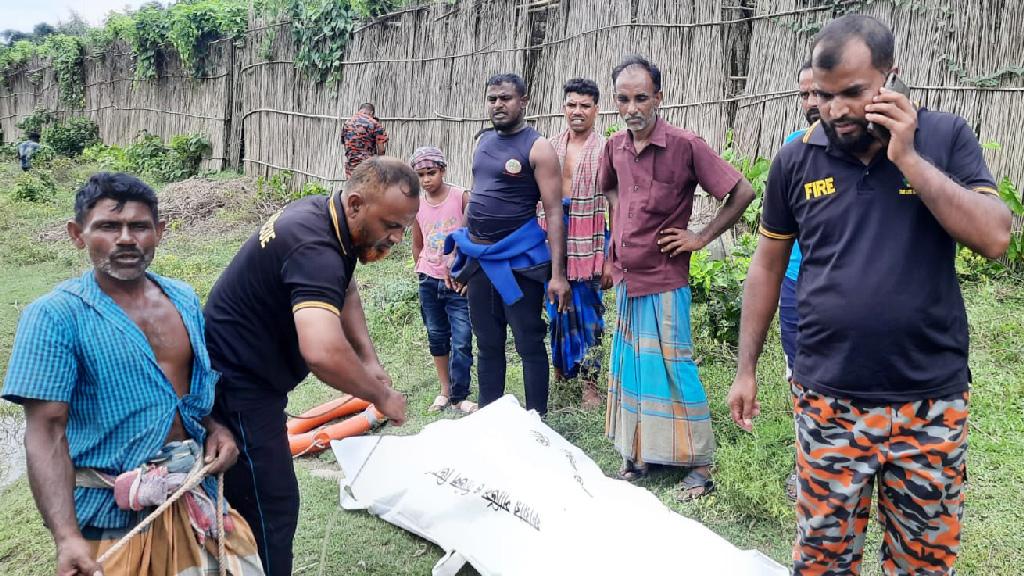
[(513, 166)]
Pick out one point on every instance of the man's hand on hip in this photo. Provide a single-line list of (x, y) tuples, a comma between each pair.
[(675, 241)]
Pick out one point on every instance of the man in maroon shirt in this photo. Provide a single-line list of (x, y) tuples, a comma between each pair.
[(657, 408)]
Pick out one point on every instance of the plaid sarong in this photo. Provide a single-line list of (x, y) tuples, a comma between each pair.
[(657, 409), (182, 540), (169, 547), (585, 234), (575, 331)]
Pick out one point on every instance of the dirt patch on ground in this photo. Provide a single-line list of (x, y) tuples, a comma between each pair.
[(200, 205), (197, 205)]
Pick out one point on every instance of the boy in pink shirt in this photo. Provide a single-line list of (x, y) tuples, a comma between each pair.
[(445, 311)]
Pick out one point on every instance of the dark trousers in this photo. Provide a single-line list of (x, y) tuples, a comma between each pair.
[(262, 484), (489, 316)]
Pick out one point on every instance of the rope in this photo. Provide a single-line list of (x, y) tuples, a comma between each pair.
[(195, 476), (315, 445), (222, 555)]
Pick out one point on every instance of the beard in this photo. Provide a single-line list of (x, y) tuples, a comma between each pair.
[(639, 122), (855, 143), (111, 266), (508, 121), (812, 115), (378, 251)]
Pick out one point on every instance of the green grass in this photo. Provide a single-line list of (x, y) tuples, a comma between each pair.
[(749, 508)]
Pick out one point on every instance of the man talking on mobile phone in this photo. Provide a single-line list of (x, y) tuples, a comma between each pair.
[(880, 382)]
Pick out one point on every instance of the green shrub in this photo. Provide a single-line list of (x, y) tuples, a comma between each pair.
[(971, 267), (149, 156), (36, 121), (65, 53), (107, 158), (72, 136), (44, 155), (34, 186), (9, 152), (755, 170), (1011, 196), (719, 285), (277, 189), (186, 152)]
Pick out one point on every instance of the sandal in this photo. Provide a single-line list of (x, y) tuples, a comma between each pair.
[(466, 407), (696, 484), (630, 472), (791, 486), (440, 403)]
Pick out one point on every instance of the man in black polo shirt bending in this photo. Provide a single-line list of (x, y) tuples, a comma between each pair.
[(285, 306), (880, 381)]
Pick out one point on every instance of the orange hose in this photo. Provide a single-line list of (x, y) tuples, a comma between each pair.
[(318, 440), (337, 408)]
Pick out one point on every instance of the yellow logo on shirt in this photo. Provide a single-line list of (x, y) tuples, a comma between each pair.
[(819, 188), (267, 231)]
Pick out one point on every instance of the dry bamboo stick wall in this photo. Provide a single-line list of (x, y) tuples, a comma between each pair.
[(725, 65), (174, 103), (939, 44)]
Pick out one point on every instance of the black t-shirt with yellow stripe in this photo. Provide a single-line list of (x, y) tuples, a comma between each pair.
[(881, 314), (301, 257)]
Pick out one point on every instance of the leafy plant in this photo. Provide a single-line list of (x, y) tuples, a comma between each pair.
[(277, 189), (148, 33), (186, 153), (72, 136), (191, 26), (16, 55), (971, 267), (612, 129), (149, 156), (1011, 195), (36, 121), (65, 53), (755, 170), (108, 158), (34, 186), (320, 32), (719, 285)]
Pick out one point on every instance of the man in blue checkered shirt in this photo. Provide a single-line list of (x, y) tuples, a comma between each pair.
[(112, 369)]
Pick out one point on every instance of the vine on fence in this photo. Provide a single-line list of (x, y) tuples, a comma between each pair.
[(36, 121), (321, 31), (65, 53), (192, 27)]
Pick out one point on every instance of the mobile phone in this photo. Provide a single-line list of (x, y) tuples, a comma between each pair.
[(892, 82)]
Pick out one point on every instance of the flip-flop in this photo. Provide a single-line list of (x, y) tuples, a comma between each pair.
[(696, 484), (466, 407), (440, 403), (630, 472)]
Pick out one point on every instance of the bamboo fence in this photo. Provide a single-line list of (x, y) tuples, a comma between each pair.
[(726, 64), (174, 103)]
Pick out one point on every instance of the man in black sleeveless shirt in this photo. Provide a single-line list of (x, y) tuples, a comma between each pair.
[(513, 168)]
